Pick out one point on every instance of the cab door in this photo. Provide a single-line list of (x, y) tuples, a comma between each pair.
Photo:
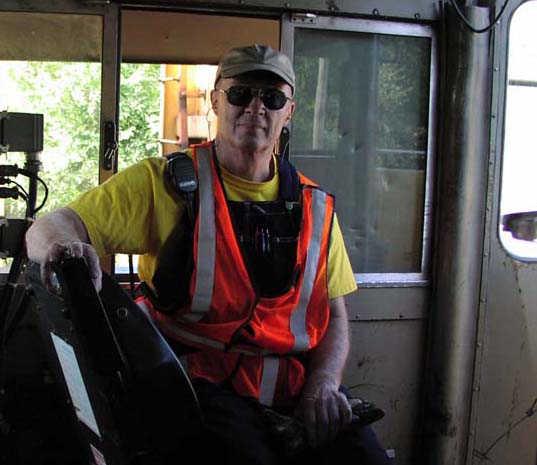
[(58, 59), (363, 130)]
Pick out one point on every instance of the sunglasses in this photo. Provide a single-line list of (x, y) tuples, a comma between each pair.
[(241, 96)]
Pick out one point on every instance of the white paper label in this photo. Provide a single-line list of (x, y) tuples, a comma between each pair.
[(75, 383)]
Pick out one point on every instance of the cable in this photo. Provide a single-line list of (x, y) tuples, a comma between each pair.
[(45, 196), (14, 170), (469, 25), (10, 181)]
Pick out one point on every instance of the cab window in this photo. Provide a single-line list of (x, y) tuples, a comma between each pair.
[(518, 205)]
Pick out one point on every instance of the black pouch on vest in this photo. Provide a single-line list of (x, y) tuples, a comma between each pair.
[(268, 235)]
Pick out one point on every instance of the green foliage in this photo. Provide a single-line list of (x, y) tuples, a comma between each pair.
[(69, 96), (139, 113)]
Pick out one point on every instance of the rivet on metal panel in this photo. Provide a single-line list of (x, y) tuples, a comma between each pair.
[(287, 5), (482, 300), (376, 12), (417, 15), (493, 116), (496, 69)]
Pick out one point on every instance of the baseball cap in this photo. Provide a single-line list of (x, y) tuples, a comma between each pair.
[(255, 58)]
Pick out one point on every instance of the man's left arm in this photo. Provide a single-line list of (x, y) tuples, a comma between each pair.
[(323, 408)]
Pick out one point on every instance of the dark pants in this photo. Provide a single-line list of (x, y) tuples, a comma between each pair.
[(238, 434)]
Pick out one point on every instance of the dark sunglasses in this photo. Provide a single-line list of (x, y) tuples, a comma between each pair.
[(241, 96)]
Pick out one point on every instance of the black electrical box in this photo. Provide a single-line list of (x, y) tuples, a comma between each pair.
[(21, 132)]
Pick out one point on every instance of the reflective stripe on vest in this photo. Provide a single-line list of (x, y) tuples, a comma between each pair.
[(201, 300), (298, 317), (267, 387), (195, 340)]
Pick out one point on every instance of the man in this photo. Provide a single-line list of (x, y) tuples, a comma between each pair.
[(261, 302)]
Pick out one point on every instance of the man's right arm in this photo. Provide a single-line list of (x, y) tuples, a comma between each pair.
[(56, 235)]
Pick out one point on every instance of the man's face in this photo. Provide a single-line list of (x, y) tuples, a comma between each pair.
[(252, 127)]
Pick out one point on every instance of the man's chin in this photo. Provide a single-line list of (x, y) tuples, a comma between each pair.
[(253, 144), (253, 139)]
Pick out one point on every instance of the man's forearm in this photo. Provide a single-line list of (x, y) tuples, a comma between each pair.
[(60, 226), (323, 408), (327, 360)]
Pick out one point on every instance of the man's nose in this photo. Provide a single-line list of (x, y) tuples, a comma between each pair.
[(256, 105)]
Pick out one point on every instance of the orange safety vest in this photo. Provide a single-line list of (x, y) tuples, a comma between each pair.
[(246, 339)]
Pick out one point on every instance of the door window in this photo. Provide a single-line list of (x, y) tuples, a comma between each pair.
[(362, 131)]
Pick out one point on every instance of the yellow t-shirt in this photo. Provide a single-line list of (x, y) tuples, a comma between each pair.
[(135, 211)]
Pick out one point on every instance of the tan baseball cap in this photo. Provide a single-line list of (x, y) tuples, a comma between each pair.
[(255, 58)]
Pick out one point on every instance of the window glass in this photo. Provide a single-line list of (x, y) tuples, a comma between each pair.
[(51, 64), (519, 187), (139, 112), (360, 131)]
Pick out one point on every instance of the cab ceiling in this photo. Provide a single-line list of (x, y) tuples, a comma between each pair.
[(167, 37)]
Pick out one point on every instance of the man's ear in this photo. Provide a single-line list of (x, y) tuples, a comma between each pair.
[(291, 112), (214, 101)]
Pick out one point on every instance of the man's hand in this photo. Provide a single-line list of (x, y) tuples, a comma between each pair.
[(58, 235), (324, 410), (75, 249)]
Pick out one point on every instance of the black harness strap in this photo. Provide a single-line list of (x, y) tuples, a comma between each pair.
[(176, 262), (290, 189)]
